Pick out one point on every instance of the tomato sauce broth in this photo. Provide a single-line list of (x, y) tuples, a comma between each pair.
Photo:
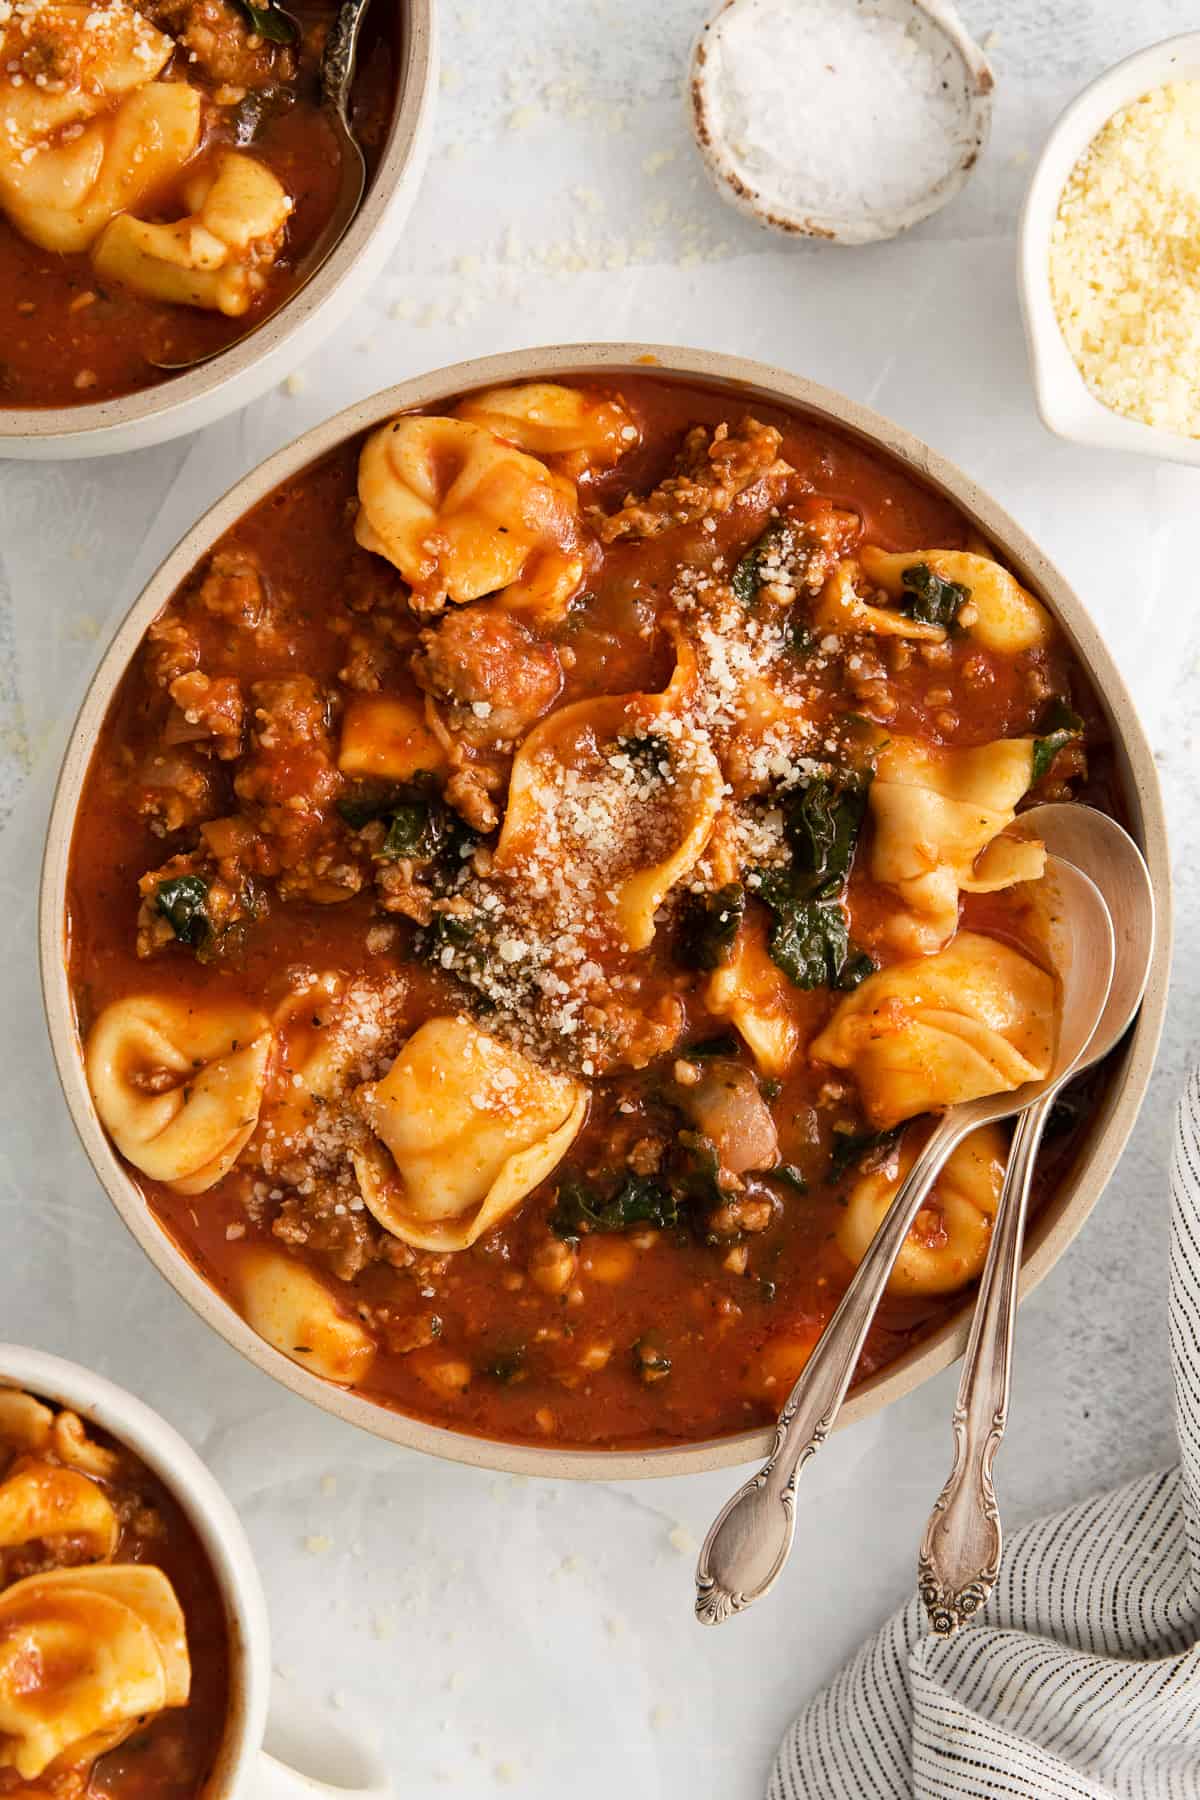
[(524, 1344)]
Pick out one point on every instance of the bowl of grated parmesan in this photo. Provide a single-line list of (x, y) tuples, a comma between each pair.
[(1109, 260), (843, 120)]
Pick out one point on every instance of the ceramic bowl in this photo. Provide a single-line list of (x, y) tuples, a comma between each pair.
[(263, 357), (275, 1745), (966, 77), (1063, 399), (747, 383)]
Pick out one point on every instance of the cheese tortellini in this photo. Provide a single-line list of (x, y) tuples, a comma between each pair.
[(295, 1312), (948, 1244), (219, 256), (25, 1424), (86, 1655), (840, 609), (178, 1088), (41, 1500), (76, 151), (977, 1018), (472, 1126), (755, 995), (462, 515), (938, 815), (575, 424), (625, 792), (1002, 616), (386, 738)]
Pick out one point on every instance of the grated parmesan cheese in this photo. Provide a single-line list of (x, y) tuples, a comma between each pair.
[(1125, 261)]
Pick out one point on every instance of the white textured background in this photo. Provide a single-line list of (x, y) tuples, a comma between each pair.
[(497, 1633)]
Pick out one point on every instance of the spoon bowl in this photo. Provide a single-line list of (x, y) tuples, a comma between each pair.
[(337, 81), (749, 1542), (959, 1558), (1104, 852)]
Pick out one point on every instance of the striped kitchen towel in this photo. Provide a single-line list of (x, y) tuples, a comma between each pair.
[(1083, 1676)]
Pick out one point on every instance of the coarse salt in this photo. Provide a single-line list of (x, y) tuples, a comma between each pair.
[(843, 109)]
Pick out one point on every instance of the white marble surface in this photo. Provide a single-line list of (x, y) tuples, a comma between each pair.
[(495, 1633)]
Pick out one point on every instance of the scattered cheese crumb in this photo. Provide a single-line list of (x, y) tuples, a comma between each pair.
[(296, 383), (317, 1545), (681, 1539), (329, 1485)]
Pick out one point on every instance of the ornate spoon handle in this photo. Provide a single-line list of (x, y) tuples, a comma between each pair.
[(959, 1558), (751, 1536)]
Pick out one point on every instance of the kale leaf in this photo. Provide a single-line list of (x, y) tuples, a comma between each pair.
[(664, 1199), (507, 1366), (649, 752), (412, 832), (639, 1200), (708, 925), (725, 1043), (930, 598), (371, 801), (747, 577), (809, 938), (798, 640), (269, 21), (821, 821), (420, 826), (182, 901), (850, 1147), (1058, 726)]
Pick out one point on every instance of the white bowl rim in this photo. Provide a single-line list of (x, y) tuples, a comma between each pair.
[(1064, 402), (225, 384), (1059, 1220)]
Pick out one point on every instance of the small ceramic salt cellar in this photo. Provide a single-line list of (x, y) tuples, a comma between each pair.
[(848, 120)]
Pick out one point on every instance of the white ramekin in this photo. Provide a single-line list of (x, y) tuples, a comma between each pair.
[(1063, 399)]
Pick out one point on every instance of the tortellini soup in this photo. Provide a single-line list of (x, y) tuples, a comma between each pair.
[(114, 1668), (174, 158), (539, 878)]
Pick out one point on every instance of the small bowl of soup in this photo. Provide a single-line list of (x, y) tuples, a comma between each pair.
[(528, 870), (167, 175), (135, 1657)]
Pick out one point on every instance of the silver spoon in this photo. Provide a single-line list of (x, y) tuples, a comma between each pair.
[(748, 1544), (960, 1552), (337, 81)]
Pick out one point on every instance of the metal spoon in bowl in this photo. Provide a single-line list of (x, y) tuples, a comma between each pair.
[(960, 1552), (748, 1544), (337, 81)]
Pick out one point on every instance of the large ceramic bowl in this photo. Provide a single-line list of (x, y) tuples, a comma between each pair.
[(1058, 1221), (265, 356)]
